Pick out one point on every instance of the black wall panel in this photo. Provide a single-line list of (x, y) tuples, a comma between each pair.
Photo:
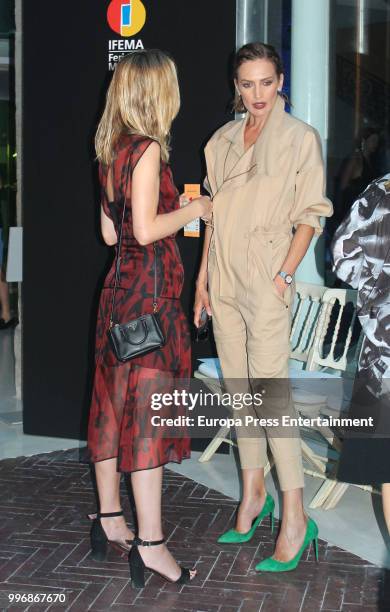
[(65, 50)]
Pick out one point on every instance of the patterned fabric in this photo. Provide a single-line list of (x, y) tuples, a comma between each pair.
[(120, 415), (361, 252)]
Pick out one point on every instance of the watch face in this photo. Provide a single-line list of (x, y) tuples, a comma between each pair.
[(288, 279)]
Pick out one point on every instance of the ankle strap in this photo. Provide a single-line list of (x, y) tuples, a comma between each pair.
[(109, 514), (138, 542)]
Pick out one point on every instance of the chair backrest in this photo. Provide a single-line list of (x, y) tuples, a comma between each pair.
[(323, 328), (337, 325), (306, 311)]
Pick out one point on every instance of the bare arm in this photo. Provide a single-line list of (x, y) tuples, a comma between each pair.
[(202, 274), (298, 248), (108, 229), (148, 225), (106, 224), (201, 294)]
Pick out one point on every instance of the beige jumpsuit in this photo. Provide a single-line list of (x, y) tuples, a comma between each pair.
[(259, 196)]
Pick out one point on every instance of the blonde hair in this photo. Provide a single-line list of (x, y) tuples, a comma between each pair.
[(143, 98)]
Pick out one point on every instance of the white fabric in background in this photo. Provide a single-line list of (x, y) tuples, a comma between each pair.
[(14, 273)]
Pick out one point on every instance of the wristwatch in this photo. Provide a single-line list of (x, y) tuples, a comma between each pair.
[(288, 279)]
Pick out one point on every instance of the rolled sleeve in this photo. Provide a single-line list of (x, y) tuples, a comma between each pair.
[(310, 203)]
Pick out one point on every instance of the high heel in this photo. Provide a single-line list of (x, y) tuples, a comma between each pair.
[(137, 565), (99, 540), (272, 565), (235, 537)]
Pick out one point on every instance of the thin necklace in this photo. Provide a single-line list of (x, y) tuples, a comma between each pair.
[(228, 177)]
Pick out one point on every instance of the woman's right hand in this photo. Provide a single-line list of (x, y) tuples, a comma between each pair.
[(206, 207), (201, 301)]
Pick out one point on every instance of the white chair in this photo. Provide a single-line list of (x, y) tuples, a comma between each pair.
[(306, 310), (333, 357), (210, 375), (324, 386)]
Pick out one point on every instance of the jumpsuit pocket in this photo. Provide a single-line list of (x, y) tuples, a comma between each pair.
[(278, 246), (287, 295), (275, 248)]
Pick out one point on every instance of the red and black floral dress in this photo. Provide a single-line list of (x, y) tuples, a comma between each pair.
[(120, 423)]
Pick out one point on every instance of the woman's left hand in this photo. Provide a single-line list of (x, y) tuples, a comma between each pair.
[(281, 286)]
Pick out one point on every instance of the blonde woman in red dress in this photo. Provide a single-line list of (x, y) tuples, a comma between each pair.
[(132, 148)]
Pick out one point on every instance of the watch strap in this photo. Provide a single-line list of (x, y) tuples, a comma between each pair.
[(284, 275)]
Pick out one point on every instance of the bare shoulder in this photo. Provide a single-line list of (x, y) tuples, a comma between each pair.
[(152, 151), (149, 160)]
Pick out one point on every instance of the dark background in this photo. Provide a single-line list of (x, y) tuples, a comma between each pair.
[(64, 83)]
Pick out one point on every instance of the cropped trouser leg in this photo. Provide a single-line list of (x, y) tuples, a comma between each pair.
[(248, 348), (231, 340), (284, 440)]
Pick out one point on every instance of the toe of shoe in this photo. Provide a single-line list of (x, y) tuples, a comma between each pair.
[(226, 538), (263, 566), (271, 565), (268, 565), (223, 539)]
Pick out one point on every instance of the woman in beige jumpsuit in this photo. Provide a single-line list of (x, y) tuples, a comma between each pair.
[(265, 175)]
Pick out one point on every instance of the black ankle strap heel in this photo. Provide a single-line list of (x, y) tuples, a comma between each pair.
[(138, 542), (99, 515), (99, 540), (137, 565)]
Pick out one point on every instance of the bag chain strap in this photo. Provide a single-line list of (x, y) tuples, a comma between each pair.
[(118, 258)]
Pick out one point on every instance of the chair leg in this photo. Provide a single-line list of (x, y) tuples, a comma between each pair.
[(215, 444), (330, 437), (322, 494), (336, 494), (268, 467), (308, 454)]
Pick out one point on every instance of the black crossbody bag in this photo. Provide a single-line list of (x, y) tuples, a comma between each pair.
[(143, 334)]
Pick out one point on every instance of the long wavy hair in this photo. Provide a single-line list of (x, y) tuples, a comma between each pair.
[(143, 98)]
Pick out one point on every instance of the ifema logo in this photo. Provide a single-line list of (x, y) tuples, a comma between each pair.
[(126, 17)]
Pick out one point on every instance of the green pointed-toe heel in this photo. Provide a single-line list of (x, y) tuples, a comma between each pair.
[(235, 537), (272, 565)]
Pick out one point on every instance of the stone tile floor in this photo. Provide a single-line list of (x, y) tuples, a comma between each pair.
[(44, 549)]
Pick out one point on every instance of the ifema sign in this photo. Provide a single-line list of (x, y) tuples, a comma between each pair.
[(126, 18)]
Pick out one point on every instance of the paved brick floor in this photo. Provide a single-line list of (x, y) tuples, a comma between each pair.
[(44, 549)]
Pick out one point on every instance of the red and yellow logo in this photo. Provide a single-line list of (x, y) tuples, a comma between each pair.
[(126, 17)]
